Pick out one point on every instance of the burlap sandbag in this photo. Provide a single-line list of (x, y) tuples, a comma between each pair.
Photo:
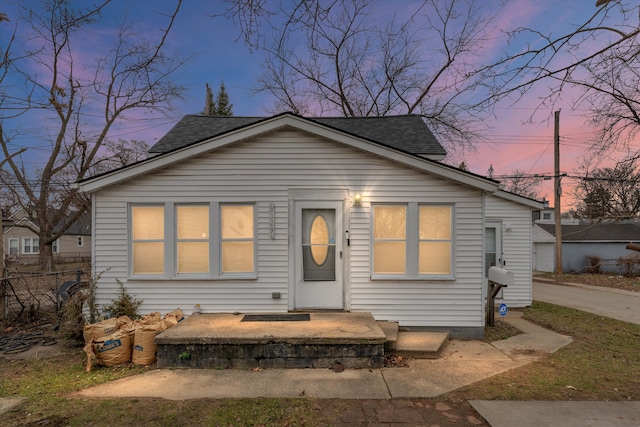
[(114, 349), (103, 328), (99, 330), (144, 346), (173, 317), (151, 318)]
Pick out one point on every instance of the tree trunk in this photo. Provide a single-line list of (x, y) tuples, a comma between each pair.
[(46, 256)]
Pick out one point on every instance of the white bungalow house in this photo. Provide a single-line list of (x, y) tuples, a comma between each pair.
[(278, 214)]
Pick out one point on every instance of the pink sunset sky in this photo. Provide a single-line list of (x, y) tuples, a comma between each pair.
[(515, 142)]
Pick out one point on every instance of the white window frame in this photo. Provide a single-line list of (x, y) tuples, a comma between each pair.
[(17, 241), (412, 241), (55, 246), (215, 244), (176, 241), (80, 241), (219, 240), (34, 245)]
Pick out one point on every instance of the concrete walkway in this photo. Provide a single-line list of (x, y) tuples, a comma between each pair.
[(461, 363)]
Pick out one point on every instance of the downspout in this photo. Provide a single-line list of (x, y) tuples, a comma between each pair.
[(484, 257)]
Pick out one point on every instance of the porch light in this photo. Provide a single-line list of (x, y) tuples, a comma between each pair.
[(357, 200)]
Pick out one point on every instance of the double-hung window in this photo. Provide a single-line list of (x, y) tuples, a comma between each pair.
[(192, 238), (412, 241), (30, 246), (147, 239), (13, 246), (213, 240), (237, 239)]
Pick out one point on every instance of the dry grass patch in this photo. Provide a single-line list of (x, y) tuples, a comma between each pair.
[(603, 280), (602, 363)]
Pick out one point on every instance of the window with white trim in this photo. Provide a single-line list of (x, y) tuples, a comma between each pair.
[(55, 246), (13, 246), (237, 239), (30, 246), (412, 241), (80, 241), (147, 239), (193, 240)]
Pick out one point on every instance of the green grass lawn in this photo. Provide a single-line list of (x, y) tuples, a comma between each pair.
[(602, 363)]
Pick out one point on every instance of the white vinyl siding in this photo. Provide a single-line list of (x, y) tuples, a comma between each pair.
[(264, 169), (517, 244)]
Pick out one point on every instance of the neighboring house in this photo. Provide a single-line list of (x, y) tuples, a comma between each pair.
[(247, 214), (21, 245), (606, 241)]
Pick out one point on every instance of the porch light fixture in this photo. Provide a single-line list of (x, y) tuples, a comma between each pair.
[(357, 200)]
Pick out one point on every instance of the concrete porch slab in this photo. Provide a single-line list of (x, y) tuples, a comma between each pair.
[(326, 340), (336, 328)]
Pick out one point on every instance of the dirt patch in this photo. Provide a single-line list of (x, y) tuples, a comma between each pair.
[(31, 343), (395, 361)]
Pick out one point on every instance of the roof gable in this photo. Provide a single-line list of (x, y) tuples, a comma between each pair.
[(408, 133), (283, 121), (81, 226)]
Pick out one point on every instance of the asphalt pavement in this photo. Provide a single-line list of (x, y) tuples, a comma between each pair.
[(614, 303)]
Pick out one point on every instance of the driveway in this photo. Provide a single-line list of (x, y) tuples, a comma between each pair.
[(614, 303)]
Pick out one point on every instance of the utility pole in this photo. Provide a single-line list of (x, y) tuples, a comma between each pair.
[(557, 190)]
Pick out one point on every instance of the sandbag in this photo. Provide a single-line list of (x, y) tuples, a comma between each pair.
[(103, 328), (113, 350), (151, 318), (99, 330), (144, 346), (173, 317)]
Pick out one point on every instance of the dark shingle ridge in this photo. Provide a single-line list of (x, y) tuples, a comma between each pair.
[(407, 133), (602, 231)]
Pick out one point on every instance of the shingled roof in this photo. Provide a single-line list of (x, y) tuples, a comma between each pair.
[(408, 133), (598, 232)]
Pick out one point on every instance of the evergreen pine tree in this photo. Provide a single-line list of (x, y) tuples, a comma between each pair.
[(220, 106), (223, 108)]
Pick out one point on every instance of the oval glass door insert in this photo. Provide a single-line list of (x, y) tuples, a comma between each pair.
[(319, 240)]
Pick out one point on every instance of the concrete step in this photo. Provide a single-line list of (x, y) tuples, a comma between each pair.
[(421, 345), (390, 329)]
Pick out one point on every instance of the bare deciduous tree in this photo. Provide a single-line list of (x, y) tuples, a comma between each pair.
[(339, 58), (598, 57), (522, 183), (610, 192), (80, 97)]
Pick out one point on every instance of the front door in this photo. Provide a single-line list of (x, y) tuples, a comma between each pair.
[(493, 248), (318, 255)]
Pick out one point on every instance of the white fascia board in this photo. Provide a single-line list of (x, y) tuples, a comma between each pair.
[(534, 204), (160, 162)]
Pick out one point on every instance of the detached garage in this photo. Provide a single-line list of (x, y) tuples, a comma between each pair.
[(604, 242)]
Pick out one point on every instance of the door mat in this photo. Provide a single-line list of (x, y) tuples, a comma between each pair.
[(297, 317)]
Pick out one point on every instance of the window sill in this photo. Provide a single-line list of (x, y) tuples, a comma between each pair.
[(189, 278), (440, 278)]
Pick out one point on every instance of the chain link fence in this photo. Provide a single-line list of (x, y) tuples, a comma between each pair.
[(35, 298)]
